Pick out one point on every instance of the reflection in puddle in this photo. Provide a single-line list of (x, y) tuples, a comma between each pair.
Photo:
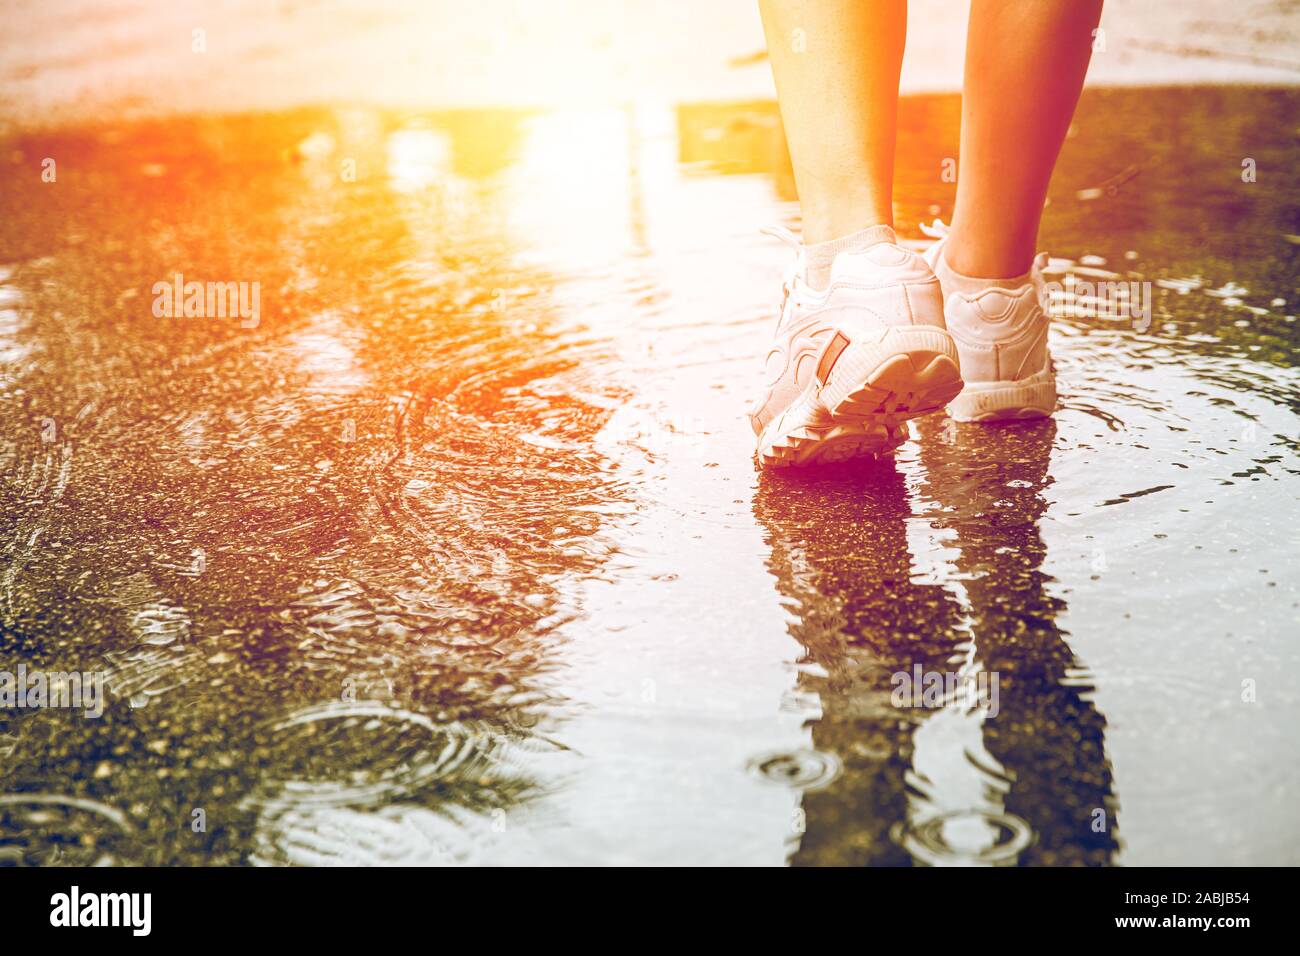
[(802, 770), (966, 838), (40, 829), (398, 752)]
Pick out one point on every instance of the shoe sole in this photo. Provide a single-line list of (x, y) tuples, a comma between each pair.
[(864, 394), (1032, 397)]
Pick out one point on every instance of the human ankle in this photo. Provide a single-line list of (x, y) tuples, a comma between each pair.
[(956, 274), (842, 212), (990, 262)]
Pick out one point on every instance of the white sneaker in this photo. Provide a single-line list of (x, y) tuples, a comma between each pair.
[(850, 364), (1001, 336)]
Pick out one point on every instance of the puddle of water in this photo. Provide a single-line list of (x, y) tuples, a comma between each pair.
[(458, 553)]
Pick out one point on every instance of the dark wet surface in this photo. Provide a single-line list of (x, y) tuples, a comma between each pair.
[(458, 554)]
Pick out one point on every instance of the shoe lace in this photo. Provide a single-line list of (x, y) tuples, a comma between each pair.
[(795, 268), (936, 230), (785, 235)]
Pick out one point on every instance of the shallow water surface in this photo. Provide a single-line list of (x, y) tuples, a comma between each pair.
[(456, 553)]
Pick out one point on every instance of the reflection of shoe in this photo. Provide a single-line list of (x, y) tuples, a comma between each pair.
[(1001, 336), (850, 364)]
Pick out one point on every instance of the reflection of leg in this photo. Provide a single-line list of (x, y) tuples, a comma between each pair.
[(836, 65), (1047, 733), (1025, 63), (840, 556)]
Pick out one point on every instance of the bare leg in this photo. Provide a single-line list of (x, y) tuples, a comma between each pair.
[(836, 65), (1025, 63)]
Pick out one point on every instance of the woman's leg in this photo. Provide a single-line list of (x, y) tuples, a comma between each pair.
[(836, 65), (867, 350), (1025, 63)]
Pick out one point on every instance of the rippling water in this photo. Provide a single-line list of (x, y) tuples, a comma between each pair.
[(458, 554)]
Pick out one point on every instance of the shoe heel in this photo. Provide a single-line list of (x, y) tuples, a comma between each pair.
[(906, 372), (1032, 397)]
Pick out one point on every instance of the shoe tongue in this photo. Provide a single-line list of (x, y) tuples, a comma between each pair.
[(888, 254), (884, 253)]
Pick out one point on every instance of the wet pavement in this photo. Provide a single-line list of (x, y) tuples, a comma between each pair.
[(452, 549)]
